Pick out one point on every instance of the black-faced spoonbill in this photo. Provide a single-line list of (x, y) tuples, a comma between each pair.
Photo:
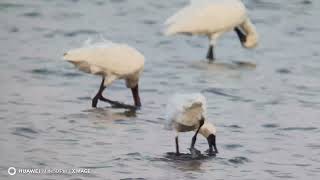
[(213, 18), (187, 112), (112, 61)]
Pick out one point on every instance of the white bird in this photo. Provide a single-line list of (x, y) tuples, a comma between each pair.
[(213, 18), (187, 112), (112, 61)]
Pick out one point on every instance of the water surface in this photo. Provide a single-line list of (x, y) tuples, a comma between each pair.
[(266, 111)]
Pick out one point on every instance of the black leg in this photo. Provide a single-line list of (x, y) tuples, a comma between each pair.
[(214, 144), (99, 94), (135, 94), (177, 146), (194, 138), (210, 54), (115, 103), (210, 151)]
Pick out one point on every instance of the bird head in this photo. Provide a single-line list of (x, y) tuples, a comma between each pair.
[(247, 34), (208, 130)]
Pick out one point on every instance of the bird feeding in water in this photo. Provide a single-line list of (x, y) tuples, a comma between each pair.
[(112, 61), (187, 112), (213, 18)]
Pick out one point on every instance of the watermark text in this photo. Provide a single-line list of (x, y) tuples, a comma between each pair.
[(13, 171)]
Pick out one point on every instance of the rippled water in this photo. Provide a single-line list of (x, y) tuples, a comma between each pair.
[(266, 110)]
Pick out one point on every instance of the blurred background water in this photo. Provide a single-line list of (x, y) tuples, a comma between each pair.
[(267, 116)]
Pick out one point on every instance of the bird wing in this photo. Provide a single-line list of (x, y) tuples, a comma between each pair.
[(189, 10), (106, 59), (205, 17), (191, 114), (185, 109)]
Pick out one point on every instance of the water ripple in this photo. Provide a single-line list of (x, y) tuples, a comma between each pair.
[(233, 146), (5, 5), (234, 126), (299, 129), (220, 92), (283, 71), (314, 146), (118, 1), (25, 132), (149, 22), (80, 32), (171, 156), (239, 160), (306, 2), (87, 32), (43, 71), (270, 125), (32, 14)]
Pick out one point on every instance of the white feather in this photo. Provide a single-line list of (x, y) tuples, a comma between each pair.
[(108, 59), (185, 109), (211, 18), (207, 17)]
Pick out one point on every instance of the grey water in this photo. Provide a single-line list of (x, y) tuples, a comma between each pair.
[(266, 110)]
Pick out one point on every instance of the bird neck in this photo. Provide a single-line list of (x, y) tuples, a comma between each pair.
[(252, 35), (206, 129)]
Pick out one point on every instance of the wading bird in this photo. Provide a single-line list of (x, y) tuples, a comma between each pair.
[(112, 61), (213, 18), (187, 112)]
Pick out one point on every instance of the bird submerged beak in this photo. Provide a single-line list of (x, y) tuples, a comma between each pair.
[(212, 144), (241, 35)]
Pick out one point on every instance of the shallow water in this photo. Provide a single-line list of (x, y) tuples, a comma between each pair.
[(266, 110)]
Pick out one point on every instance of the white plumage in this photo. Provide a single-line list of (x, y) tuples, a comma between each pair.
[(213, 18), (112, 61), (187, 112), (206, 17), (185, 109), (108, 59)]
